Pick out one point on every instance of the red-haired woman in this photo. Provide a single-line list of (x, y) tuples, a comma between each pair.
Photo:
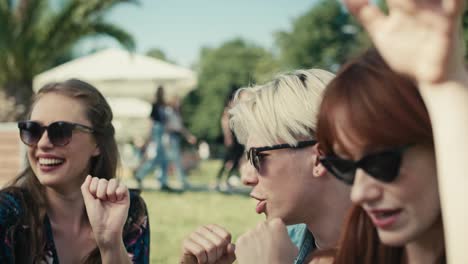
[(407, 174)]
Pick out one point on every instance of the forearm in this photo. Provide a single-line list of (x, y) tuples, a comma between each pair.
[(115, 255), (447, 104)]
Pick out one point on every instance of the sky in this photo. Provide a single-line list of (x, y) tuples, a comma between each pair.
[(180, 28)]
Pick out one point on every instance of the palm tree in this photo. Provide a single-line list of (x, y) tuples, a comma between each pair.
[(33, 36)]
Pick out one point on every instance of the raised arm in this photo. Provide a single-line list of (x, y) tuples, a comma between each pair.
[(422, 39)]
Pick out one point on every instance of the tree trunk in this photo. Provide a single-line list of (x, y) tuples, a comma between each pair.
[(21, 92)]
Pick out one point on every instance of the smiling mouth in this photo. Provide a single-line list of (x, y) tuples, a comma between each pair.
[(50, 162)]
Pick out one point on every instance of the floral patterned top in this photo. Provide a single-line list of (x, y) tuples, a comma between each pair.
[(136, 231)]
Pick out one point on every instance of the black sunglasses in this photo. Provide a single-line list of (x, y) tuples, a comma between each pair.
[(253, 153), (383, 166), (59, 133)]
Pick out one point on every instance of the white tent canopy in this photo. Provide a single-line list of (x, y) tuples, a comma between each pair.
[(128, 81), (129, 107), (118, 73)]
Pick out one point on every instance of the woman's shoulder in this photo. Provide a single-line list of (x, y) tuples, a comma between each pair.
[(137, 225), (11, 205), (137, 213), (136, 200), (322, 260)]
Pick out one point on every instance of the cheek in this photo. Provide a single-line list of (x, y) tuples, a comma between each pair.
[(81, 151), (419, 182), (31, 153)]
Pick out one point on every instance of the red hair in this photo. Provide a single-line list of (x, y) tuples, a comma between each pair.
[(380, 108)]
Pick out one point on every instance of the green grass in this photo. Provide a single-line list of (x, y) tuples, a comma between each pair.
[(174, 216)]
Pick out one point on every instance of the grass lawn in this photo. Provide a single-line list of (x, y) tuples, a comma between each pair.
[(173, 216)]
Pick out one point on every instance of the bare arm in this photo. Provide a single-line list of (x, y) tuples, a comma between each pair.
[(448, 107), (107, 204), (428, 33), (115, 255)]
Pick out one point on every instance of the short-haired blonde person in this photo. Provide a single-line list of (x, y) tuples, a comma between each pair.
[(276, 123)]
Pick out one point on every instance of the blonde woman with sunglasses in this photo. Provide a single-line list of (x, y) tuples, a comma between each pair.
[(276, 123)]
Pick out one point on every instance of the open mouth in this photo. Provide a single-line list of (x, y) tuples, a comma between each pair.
[(261, 207), (384, 219), (50, 162)]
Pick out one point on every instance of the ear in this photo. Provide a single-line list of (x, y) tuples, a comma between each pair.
[(97, 151), (318, 169)]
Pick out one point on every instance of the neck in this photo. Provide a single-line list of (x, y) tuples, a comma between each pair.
[(66, 209), (428, 247), (326, 223)]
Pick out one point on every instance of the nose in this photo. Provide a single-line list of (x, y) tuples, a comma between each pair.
[(44, 141), (365, 188), (248, 174)]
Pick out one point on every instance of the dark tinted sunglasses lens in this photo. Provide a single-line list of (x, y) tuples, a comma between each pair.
[(384, 166), (60, 133), (256, 161), (344, 170), (30, 132)]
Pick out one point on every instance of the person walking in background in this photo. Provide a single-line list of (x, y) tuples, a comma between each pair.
[(158, 118), (175, 130), (234, 150)]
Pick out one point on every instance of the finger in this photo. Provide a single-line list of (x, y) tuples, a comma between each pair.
[(188, 259), (407, 6), (209, 247), (277, 223), (278, 226), (111, 188), (102, 189), (220, 231), (355, 5), (93, 186), (192, 247), (371, 18), (121, 193), (453, 7), (85, 188), (220, 241), (230, 256)]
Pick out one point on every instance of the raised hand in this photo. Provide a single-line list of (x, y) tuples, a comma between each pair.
[(107, 204), (208, 244), (267, 243), (419, 38)]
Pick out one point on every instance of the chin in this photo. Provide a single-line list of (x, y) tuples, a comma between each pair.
[(394, 238), (49, 179)]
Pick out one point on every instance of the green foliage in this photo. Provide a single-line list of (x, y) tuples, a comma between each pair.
[(221, 71), (158, 54), (324, 37), (33, 37), (465, 31)]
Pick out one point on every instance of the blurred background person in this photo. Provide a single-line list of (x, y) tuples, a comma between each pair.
[(158, 117), (234, 151), (175, 130)]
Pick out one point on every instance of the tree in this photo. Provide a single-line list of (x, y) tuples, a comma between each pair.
[(159, 54), (324, 37), (33, 37), (222, 70)]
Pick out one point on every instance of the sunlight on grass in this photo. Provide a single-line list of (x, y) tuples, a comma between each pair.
[(174, 216)]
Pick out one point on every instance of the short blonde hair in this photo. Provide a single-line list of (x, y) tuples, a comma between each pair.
[(282, 110)]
